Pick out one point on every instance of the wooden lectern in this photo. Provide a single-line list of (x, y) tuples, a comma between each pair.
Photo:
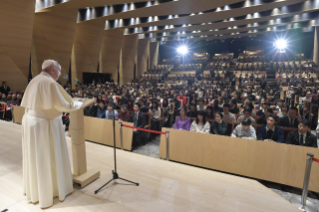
[(81, 174)]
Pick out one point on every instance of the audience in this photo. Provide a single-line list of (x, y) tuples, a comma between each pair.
[(246, 114), (291, 120), (228, 116), (101, 111), (182, 122), (200, 124), (111, 113), (302, 136), (219, 127), (244, 130), (123, 115), (271, 132)]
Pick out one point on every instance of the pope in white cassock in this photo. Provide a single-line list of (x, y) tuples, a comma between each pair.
[(46, 165)]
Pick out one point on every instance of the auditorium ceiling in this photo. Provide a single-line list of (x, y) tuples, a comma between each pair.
[(167, 20)]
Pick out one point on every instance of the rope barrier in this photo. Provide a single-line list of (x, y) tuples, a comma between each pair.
[(315, 160), (145, 130)]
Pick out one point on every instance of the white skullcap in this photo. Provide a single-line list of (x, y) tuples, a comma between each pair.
[(47, 63)]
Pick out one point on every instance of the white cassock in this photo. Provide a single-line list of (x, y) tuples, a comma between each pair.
[(46, 165)]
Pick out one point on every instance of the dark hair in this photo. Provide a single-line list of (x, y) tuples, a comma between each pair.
[(138, 104), (294, 108), (247, 109), (201, 100), (246, 122), (274, 116), (270, 110), (234, 101), (226, 105), (201, 113), (155, 103), (305, 122), (185, 109), (285, 105), (165, 105), (102, 101), (220, 114), (3, 82), (280, 100), (110, 105), (267, 103)]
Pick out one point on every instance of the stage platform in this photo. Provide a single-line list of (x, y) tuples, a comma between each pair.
[(164, 186)]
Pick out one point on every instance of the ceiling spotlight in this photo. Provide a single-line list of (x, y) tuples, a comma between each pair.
[(182, 50), (281, 44)]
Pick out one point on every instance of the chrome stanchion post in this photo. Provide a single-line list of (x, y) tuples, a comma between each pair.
[(167, 145), (121, 134), (301, 202)]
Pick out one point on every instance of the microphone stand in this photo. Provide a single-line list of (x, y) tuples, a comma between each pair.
[(114, 172)]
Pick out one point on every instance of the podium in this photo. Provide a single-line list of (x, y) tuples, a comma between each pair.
[(81, 174)]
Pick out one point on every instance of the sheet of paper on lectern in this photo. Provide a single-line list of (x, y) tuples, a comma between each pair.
[(79, 102)]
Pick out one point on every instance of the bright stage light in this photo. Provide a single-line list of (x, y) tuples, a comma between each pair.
[(281, 44), (182, 50)]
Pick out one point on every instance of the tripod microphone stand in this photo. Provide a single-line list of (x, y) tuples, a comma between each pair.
[(114, 172)]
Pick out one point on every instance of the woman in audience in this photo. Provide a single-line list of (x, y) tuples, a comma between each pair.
[(183, 122), (124, 115), (210, 113), (283, 111), (200, 106), (250, 106), (101, 111), (216, 106), (130, 106), (192, 113), (3, 98), (219, 127), (167, 109), (200, 124), (156, 114), (244, 130)]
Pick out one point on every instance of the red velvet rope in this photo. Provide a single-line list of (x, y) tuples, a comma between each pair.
[(145, 130), (315, 159)]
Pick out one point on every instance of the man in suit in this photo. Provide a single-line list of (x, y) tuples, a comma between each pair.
[(91, 110), (138, 118), (291, 120), (301, 136), (4, 88), (270, 132)]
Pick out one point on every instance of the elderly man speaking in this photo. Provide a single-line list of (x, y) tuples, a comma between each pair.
[(46, 165)]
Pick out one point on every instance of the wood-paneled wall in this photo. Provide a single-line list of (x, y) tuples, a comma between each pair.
[(128, 59), (271, 161), (110, 52), (16, 26), (53, 38), (86, 49), (154, 47), (316, 46), (143, 53)]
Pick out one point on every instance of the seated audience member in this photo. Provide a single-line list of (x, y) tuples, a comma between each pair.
[(192, 113), (302, 136), (156, 114), (167, 109), (3, 98), (216, 106), (280, 103), (244, 130), (200, 124), (129, 106), (101, 110), (261, 105), (283, 111), (19, 98), (138, 118), (233, 107), (228, 116), (250, 106), (266, 105), (145, 107), (200, 106), (210, 112), (182, 97), (124, 115), (246, 114), (111, 112), (182, 122), (177, 104), (291, 120), (91, 110), (263, 119), (271, 132), (219, 127)]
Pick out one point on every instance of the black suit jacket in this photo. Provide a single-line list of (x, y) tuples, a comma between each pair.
[(6, 91), (278, 135), (140, 120), (284, 122), (90, 111), (293, 138)]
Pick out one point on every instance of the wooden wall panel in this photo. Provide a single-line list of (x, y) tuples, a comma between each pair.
[(129, 55), (316, 46), (143, 53), (16, 26), (275, 162), (86, 49), (53, 37), (110, 52), (154, 47)]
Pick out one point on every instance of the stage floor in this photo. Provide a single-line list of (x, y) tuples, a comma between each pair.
[(164, 186)]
